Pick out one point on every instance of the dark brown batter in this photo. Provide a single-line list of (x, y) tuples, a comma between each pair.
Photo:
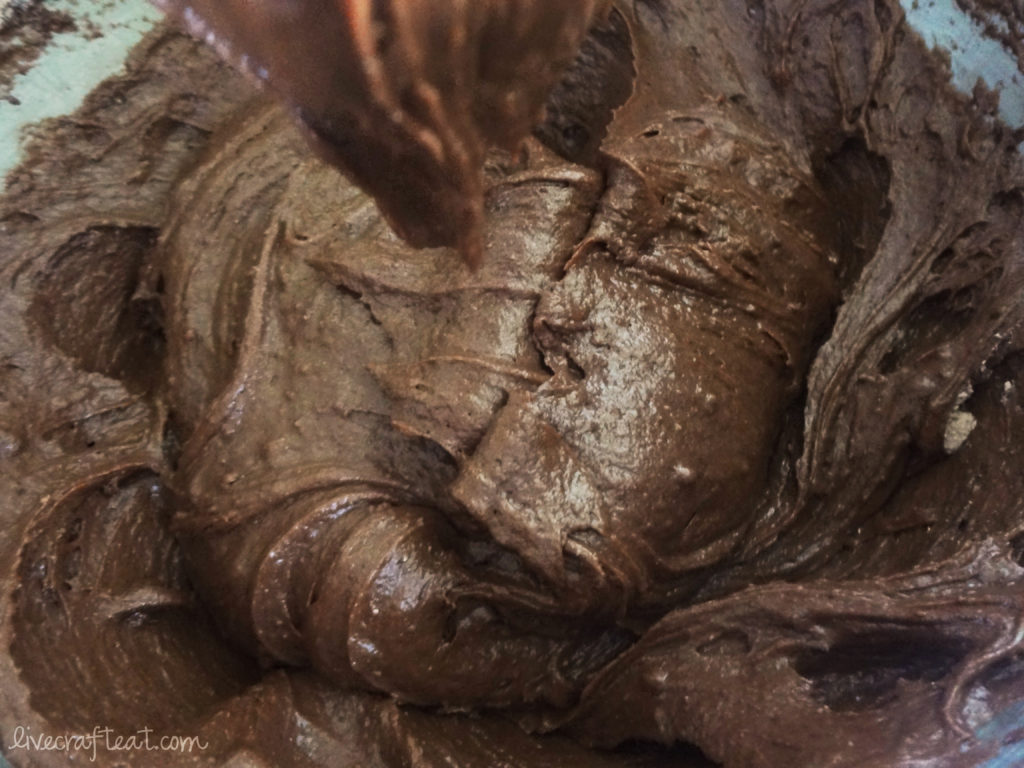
[(715, 457), (405, 97)]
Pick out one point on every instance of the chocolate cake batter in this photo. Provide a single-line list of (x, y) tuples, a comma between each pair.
[(710, 456)]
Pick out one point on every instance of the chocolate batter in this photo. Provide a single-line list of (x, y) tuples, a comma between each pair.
[(405, 97), (713, 459)]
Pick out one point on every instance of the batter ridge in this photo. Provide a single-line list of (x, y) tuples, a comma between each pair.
[(710, 456)]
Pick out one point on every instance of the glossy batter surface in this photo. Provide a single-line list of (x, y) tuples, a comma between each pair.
[(719, 446)]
